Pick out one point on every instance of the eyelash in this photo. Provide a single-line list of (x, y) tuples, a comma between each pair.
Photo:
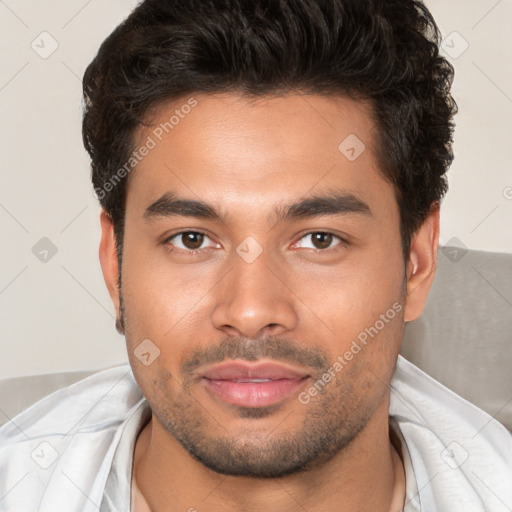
[(187, 252), (192, 252)]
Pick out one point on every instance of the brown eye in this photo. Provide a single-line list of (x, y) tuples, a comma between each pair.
[(189, 241), (192, 240), (321, 240)]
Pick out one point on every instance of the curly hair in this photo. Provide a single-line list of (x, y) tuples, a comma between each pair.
[(385, 52)]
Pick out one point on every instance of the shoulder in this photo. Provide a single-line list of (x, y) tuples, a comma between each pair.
[(101, 396), (65, 441), (461, 456)]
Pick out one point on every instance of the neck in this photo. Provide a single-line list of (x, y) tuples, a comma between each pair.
[(361, 477)]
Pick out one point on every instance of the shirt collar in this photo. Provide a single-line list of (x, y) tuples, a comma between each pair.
[(412, 500), (117, 494)]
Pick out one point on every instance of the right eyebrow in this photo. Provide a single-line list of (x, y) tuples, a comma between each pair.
[(169, 205)]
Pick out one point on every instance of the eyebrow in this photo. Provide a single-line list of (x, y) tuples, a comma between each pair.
[(333, 203)]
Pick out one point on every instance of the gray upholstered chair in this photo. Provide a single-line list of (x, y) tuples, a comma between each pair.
[(463, 339)]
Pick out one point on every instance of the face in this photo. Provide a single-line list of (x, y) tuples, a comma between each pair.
[(262, 264)]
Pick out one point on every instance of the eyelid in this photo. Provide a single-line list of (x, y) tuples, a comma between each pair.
[(168, 239), (343, 240)]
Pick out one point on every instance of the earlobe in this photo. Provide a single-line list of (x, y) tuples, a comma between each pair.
[(421, 266), (108, 259)]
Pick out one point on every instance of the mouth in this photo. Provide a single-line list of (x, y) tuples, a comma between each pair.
[(252, 384)]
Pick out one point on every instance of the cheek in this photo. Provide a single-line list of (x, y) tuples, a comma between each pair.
[(160, 295), (169, 307), (342, 301)]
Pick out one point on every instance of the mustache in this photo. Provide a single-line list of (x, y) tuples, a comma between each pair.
[(279, 349)]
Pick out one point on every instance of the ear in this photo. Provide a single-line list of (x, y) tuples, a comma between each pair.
[(108, 258), (421, 267)]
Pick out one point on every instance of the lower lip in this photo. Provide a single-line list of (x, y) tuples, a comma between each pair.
[(254, 394)]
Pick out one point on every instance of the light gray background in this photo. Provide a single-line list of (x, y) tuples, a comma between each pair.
[(57, 315)]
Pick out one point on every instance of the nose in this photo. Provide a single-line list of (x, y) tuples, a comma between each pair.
[(254, 300)]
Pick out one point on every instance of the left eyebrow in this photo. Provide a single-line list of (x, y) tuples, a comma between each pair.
[(335, 203)]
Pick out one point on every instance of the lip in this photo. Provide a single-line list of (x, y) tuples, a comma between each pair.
[(257, 384)]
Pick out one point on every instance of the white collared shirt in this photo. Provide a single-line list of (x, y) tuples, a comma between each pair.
[(73, 450)]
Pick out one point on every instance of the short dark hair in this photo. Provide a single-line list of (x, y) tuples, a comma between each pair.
[(385, 52)]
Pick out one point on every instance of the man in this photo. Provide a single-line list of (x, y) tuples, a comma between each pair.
[(270, 174)]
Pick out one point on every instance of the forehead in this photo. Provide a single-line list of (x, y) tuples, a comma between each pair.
[(227, 147)]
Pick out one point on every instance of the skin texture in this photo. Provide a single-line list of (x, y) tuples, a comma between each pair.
[(300, 303)]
